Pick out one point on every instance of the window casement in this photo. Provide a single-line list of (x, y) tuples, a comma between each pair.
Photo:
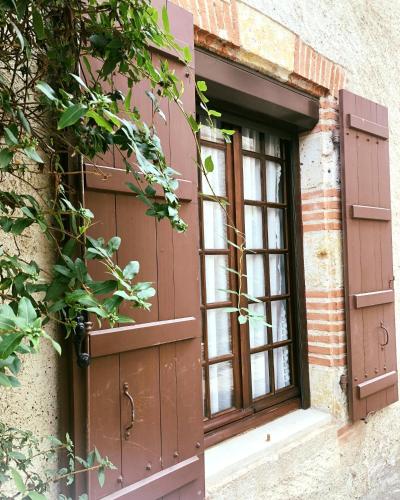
[(248, 368)]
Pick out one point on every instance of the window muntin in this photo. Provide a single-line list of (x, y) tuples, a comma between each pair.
[(251, 364)]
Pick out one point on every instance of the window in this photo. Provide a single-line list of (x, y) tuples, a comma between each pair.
[(247, 368)]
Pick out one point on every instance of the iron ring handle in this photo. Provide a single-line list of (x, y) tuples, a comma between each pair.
[(386, 334), (130, 398)]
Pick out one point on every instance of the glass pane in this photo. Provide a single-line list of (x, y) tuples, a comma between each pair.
[(255, 275), (216, 278), (214, 225), (257, 329), (221, 386), (214, 182), (253, 227), (259, 374), (277, 274), (274, 182), (219, 333), (208, 133), (275, 228), (279, 320), (250, 140), (272, 145), (251, 178), (281, 367)]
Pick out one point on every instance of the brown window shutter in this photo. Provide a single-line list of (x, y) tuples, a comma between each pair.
[(368, 260)]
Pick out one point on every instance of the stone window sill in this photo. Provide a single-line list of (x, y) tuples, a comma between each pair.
[(226, 460)]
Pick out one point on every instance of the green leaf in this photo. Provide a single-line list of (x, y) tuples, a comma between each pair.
[(5, 158), (80, 81), (9, 137), (187, 55), (20, 37), (209, 164), (128, 98), (165, 20), (45, 89), (212, 112), (38, 24), (102, 287), (26, 310), (23, 120), (33, 154), (9, 343), (229, 309), (7, 318), (19, 482), (101, 477), (71, 115), (101, 122), (193, 124), (131, 269), (201, 85), (4, 380), (114, 244), (242, 319)]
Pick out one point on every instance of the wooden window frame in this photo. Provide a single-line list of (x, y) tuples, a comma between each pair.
[(247, 413)]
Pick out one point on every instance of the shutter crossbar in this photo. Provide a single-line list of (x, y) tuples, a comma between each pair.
[(368, 127), (377, 384), (371, 213), (373, 298)]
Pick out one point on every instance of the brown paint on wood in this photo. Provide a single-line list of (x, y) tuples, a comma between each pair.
[(372, 213), (140, 336), (103, 178), (367, 126), (377, 384), (373, 298), (368, 250)]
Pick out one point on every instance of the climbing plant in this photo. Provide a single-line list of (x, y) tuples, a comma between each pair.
[(60, 105)]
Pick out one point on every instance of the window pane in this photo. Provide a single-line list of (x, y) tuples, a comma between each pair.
[(279, 320), (208, 133), (259, 374), (216, 278), (275, 228), (281, 367), (277, 274), (218, 333), (250, 140), (251, 178), (221, 386), (257, 328), (272, 145), (214, 183), (274, 182), (214, 225), (253, 227), (255, 275)]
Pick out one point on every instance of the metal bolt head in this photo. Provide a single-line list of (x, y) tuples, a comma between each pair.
[(176, 454), (148, 466), (198, 445)]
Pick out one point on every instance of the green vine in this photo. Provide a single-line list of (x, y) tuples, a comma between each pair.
[(60, 105)]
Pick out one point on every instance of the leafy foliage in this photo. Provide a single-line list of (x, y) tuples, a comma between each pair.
[(19, 454)]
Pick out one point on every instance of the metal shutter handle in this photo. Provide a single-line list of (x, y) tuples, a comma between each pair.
[(130, 398), (386, 334)]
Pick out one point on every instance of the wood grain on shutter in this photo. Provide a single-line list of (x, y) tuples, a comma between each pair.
[(370, 322), (158, 358)]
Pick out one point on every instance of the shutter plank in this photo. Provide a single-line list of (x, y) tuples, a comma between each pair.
[(367, 255)]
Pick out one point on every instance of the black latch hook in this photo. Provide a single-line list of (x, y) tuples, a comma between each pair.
[(79, 337)]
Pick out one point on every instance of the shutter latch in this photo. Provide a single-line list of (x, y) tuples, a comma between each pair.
[(79, 336), (344, 382)]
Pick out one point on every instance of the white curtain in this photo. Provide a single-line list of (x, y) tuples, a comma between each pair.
[(221, 386), (218, 333), (257, 328), (250, 139), (251, 178), (275, 228), (214, 225), (259, 374), (279, 333), (255, 275), (253, 227), (274, 182), (272, 145), (214, 182), (216, 278)]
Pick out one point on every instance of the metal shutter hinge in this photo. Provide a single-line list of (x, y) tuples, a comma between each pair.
[(343, 382)]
